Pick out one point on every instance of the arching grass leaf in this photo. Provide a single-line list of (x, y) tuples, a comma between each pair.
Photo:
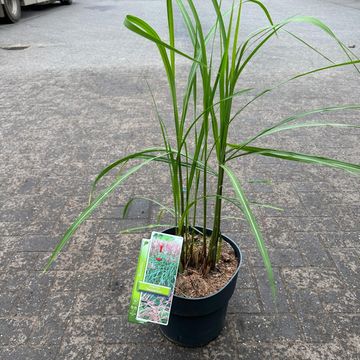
[(304, 158), (253, 225)]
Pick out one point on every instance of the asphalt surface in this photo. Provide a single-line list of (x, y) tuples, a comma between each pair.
[(75, 98)]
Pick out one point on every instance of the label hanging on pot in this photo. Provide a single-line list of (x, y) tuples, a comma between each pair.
[(155, 279)]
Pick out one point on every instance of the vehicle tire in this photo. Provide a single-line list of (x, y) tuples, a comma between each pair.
[(12, 10), (66, 2)]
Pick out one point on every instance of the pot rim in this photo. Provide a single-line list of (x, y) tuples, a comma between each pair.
[(232, 277)]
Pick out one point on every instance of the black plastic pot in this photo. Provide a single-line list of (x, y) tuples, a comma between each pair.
[(196, 321)]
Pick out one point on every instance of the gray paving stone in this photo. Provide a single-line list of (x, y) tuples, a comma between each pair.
[(280, 232), (75, 352), (81, 330), (279, 304), (302, 188), (9, 282), (317, 328), (9, 214), (315, 224), (280, 257), (320, 210), (306, 301), (6, 303), (316, 279), (324, 198), (347, 261), (59, 304), (30, 302), (223, 348), (29, 353), (347, 217), (305, 350), (163, 353), (82, 281), (340, 239), (340, 301), (21, 260), (246, 278), (267, 328), (351, 198), (348, 328), (110, 352), (48, 331), (348, 322), (14, 331), (17, 228), (243, 238), (69, 259), (83, 239), (117, 329), (244, 301), (312, 250), (3, 258), (254, 350), (32, 243), (109, 302)]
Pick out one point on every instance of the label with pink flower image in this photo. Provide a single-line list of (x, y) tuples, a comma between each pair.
[(158, 283)]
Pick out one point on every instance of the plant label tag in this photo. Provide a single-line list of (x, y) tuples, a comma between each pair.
[(139, 276), (155, 279)]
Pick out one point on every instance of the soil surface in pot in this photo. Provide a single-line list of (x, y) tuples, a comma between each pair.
[(193, 284)]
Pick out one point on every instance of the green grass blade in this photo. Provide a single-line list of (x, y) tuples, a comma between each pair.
[(148, 154), (264, 92), (127, 207), (187, 21), (220, 19), (160, 215), (298, 38), (170, 15), (310, 125), (347, 63), (89, 210), (257, 48), (143, 29), (263, 8), (318, 23), (125, 159), (200, 33), (236, 38), (304, 158), (281, 125), (308, 20), (253, 225), (173, 165), (199, 117)]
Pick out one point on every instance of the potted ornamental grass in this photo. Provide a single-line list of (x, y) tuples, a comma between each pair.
[(197, 152)]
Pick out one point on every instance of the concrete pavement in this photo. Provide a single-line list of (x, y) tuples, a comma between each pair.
[(76, 99)]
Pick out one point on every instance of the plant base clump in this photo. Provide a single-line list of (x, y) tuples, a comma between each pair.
[(193, 283)]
